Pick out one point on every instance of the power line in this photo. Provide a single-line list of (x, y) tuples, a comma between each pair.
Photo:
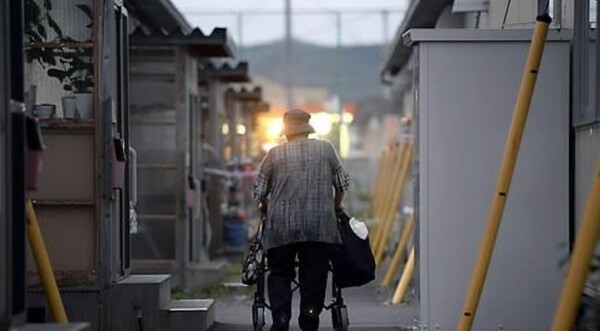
[(295, 12)]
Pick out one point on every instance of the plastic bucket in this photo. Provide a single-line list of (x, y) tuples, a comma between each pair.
[(234, 232)]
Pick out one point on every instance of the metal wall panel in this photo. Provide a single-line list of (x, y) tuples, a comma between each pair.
[(465, 98), (587, 150)]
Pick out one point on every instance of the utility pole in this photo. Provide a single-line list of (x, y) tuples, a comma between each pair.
[(338, 74), (385, 22), (385, 25), (240, 32), (288, 53)]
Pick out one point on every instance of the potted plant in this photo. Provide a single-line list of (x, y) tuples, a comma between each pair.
[(71, 66), (35, 30), (75, 72)]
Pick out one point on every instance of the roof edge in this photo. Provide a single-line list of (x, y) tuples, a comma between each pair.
[(421, 14)]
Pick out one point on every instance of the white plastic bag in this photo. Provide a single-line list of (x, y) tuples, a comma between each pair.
[(359, 228)]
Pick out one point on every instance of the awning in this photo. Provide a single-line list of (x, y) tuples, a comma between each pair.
[(421, 14), (244, 94), (216, 44), (261, 107), (158, 14), (225, 72)]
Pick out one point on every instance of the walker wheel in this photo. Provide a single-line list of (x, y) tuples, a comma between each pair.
[(339, 317), (258, 316)]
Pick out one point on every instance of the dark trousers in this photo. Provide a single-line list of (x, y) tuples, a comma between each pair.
[(313, 258)]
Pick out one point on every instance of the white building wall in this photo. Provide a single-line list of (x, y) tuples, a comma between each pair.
[(521, 14), (462, 130)]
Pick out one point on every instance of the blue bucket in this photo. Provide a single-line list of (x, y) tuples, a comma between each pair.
[(234, 233)]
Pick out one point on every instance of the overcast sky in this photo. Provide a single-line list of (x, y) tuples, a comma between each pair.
[(263, 20)]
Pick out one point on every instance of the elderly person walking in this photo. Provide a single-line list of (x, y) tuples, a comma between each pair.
[(300, 187)]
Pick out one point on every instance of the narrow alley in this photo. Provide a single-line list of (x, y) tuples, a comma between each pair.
[(174, 165)]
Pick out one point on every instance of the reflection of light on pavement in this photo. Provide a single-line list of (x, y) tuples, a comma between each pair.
[(321, 122)]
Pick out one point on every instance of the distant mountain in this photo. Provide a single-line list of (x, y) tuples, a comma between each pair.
[(315, 66)]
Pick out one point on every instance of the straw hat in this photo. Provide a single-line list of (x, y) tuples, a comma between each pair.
[(295, 121)]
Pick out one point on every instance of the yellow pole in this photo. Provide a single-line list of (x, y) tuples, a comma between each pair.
[(391, 152), (386, 187), (391, 206), (407, 275), (583, 252), (40, 255), (397, 259), (377, 193), (376, 183), (382, 195), (509, 158), (395, 201), (382, 169)]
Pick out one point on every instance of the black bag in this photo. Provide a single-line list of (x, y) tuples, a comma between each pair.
[(353, 262), (254, 260)]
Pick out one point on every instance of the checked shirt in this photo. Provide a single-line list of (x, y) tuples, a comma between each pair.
[(299, 178)]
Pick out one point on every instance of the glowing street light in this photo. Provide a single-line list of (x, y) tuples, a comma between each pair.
[(321, 122), (274, 128), (241, 129)]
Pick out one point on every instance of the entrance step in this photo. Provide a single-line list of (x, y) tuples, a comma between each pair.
[(138, 302), (144, 302), (152, 290), (191, 314)]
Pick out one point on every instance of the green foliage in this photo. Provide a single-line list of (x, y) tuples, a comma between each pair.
[(214, 291), (233, 270), (71, 66)]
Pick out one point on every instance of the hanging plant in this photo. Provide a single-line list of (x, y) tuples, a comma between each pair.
[(36, 33), (71, 66)]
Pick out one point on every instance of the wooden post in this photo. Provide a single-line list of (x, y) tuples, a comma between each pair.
[(395, 201), (397, 258), (377, 196), (407, 275), (389, 177), (375, 185)]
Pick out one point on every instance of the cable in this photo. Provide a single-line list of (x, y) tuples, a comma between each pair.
[(506, 13)]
